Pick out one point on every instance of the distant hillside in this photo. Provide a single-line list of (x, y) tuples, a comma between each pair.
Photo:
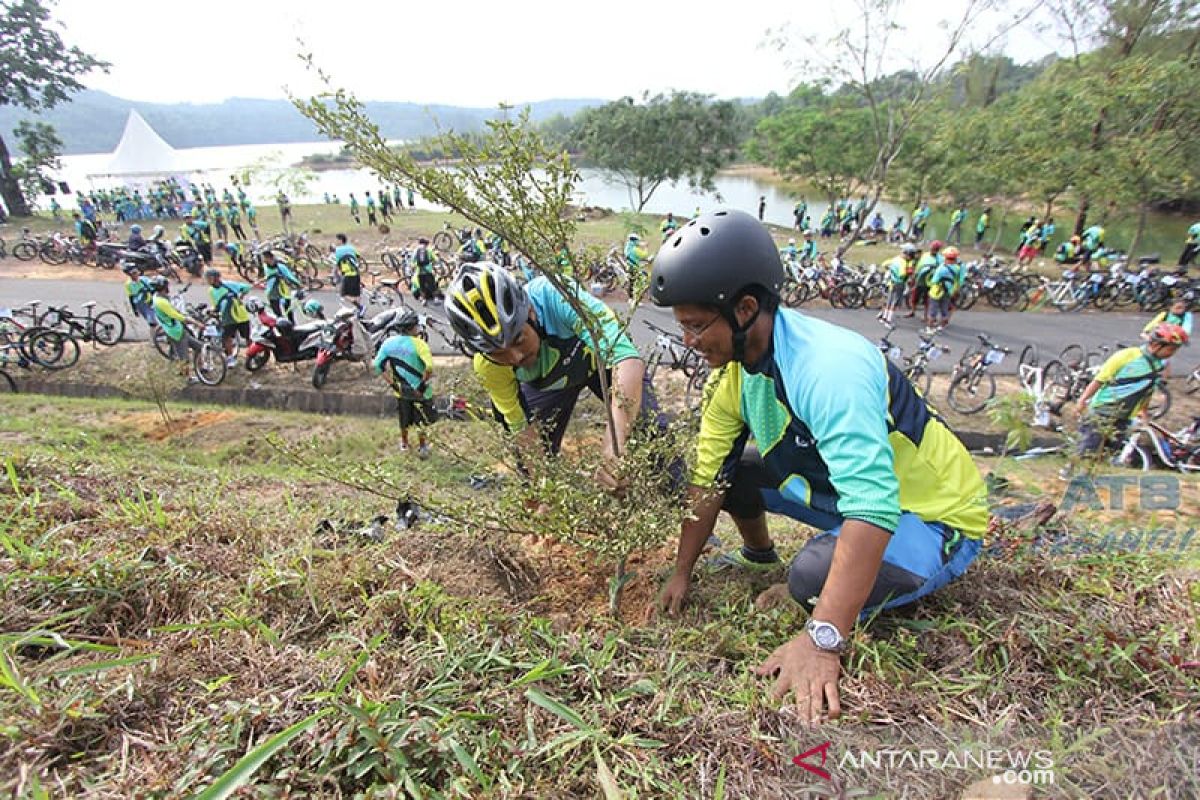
[(92, 122)]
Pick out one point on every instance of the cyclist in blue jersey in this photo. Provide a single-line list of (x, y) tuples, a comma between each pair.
[(534, 355), (808, 250), (636, 255), (406, 362), (281, 284), (348, 262), (899, 272), (843, 443), (140, 291)]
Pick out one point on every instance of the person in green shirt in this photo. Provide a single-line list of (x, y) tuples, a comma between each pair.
[(406, 363), (981, 225), (1191, 247), (354, 210), (1123, 386), (900, 271), (173, 324), (957, 218)]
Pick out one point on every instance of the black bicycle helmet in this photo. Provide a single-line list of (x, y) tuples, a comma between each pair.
[(716, 259), (713, 259), (407, 319)]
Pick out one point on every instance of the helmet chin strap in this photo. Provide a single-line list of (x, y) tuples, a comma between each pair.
[(739, 331)]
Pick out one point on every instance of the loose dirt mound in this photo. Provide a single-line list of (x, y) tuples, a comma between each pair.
[(154, 427)]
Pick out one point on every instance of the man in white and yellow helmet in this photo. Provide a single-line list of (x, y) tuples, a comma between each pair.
[(534, 354)]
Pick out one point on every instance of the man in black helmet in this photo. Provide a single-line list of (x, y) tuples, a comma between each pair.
[(842, 443)]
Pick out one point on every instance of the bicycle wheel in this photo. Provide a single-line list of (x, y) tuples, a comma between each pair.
[(443, 241), (1073, 355), (967, 297), (1160, 401), (1029, 356), (209, 364), (390, 261), (50, 349), (313, 253), (52, 255), (161, 343), (1057, 384), (652, 363), (875, 296), (970, 392), (920, 378), (7, 384), (25, 251), (847, 295), (108, 328), (1134, 455)]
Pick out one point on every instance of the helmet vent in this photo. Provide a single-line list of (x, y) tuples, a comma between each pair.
[(720, 213), (704, 231), (675, 243)]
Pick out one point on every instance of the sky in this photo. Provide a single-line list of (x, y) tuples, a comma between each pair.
[(473, 52)]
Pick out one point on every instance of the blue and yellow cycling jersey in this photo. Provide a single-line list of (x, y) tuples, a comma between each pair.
[(346, 258), (567, 356), (279, 280), (1127, 380), (841, 430), (899, 270), (409, 359)]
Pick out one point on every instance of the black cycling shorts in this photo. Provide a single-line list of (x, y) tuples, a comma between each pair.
[(235, 328), (351, 286), (415, 412)]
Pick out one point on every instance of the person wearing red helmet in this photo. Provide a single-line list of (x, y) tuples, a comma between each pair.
[(943, 285), (1122, 388), (925, 268)]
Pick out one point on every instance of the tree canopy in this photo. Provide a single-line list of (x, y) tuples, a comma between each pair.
[(37, 71), (681, 136)]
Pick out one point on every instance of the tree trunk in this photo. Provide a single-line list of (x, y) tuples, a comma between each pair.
[(10, 190), (1137, 234), (1081, 217)]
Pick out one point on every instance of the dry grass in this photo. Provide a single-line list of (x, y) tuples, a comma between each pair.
[(168, 604)]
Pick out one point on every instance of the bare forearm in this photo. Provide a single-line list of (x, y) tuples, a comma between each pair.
[(705, 505), (852, 575), (626, 401)]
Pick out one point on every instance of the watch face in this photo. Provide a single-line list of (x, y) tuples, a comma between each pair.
[(826, 636)]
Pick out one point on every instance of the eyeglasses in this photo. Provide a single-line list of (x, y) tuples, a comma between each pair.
[(697, 331)]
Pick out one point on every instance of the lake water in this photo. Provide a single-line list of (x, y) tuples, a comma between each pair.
[(216, 164)]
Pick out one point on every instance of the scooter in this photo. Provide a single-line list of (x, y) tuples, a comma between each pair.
[(345, 337), (287, 342)]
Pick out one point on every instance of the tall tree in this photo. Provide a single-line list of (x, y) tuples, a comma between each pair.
[(683, 136), (37, 71)]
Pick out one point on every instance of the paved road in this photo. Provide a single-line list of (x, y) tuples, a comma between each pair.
[(1050, 331)]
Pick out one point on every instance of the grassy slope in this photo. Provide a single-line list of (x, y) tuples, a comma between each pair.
[(481, 664)]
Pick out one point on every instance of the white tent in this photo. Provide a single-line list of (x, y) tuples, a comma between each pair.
[(141, 153)]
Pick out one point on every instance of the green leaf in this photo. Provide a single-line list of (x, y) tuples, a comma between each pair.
[(241, 772), (102, 666), (605, 777), (537, 697)]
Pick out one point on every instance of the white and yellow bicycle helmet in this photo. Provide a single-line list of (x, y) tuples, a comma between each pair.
[(486, 306)]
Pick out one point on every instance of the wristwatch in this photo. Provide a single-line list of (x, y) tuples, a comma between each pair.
[(825, 636)]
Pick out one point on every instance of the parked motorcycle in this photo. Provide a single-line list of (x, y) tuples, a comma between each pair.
[(279, 338), (345, 337)]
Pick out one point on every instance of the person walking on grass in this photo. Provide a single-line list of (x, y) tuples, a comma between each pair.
[(406, 363), (982, 224), (371, 219), (843, 443), (354, 210), (957, 218)]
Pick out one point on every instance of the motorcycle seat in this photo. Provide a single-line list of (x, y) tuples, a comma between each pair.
[(391, 283)]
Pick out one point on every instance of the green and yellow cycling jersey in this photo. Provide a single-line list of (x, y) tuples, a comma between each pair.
[(566, 358), (841, 430)]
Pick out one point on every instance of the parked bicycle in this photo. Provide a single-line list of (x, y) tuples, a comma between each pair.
[(106, 328), (916, 366), (670, 349), (972, 385), (1149, 444)]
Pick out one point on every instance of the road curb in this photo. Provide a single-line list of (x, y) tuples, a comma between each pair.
[(312, 402), (359, 405)]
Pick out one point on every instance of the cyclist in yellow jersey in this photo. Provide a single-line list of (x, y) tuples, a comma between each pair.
[(842, 442)]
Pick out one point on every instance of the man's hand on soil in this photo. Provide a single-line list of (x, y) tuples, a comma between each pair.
[(810, 672)]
